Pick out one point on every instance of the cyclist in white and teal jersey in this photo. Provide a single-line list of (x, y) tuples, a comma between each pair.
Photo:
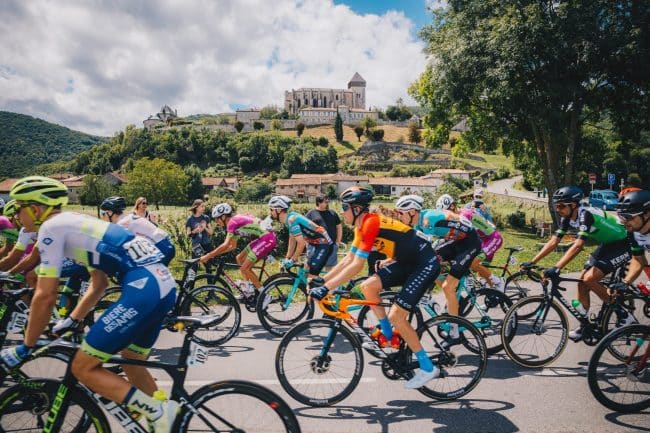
[(591, 223), (302, 230), (130, 326), (633, 209)]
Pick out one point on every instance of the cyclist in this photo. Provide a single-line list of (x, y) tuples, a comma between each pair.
[(460, 245), (591, 223), (491, 239), (301, 231), (131, 325), (479, 205), (8, 229), (633, 209), (19, 260), (248, 226), (411, 261)]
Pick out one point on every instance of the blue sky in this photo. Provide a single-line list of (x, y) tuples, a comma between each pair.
[(415, 10)]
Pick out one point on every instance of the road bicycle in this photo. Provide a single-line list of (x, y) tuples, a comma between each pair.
[(535, 330), (515, 281), (68, 406), (319, 362), (623, 384), (207, 300)]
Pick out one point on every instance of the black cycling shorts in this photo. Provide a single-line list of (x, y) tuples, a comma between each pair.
[(319, 257), (460, 254), (609, 257)]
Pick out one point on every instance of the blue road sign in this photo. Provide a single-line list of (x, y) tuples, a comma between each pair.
[(611, 178)]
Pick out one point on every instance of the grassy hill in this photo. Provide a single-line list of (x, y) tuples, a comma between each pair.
[(26, 141)]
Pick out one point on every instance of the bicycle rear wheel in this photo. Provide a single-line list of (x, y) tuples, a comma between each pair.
[(461, 366), (534, 332), (278, 309), (236, 406), (216, 302), (315, 376), (622, 385), (24, 409), (486, 310)]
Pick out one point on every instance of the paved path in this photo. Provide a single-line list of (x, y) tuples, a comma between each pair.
[(505, 188)]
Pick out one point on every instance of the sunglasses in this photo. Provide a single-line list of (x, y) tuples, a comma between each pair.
[(561, 205), (345, 207), (144, 203), (103, 213), (625, 216)]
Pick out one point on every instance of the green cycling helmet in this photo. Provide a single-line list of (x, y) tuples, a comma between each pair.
[(40, 189), (9, 209)]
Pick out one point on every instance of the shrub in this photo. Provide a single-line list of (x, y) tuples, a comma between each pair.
[(517, 219), (258, 125), (239, 125), (300, 128), (377, 135)]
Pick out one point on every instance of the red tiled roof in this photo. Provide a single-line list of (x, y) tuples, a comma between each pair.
[(401, 181), (5, 185)]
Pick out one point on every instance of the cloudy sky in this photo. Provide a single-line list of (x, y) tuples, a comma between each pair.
[(96, 66)]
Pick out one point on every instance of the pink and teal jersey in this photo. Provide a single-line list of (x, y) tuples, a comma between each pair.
[(483, 227), (7, 230), (245, 226)]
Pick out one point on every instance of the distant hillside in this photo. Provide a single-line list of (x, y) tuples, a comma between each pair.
[(26, 141)]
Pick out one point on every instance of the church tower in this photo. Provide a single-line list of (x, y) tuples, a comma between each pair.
[(358, 87)]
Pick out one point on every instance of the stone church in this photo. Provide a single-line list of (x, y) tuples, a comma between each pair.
[(354, 97)]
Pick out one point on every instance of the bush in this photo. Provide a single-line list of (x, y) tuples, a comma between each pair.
[(300, 128), (323, 141), (239, 125), (517, 219), (377, 135), (258, 125)]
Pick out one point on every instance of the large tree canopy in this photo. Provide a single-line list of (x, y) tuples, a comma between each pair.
[(529, 74)]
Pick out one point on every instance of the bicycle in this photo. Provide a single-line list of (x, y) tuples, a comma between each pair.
[(208, 300), (513, 280), (542, 319), (67, 405), (319, 362), (622, 385)]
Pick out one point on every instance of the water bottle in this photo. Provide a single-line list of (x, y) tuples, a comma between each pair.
[(578, 307)]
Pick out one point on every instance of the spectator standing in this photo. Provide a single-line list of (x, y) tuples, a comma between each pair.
[(199, 230), (141, 209), (324, 217)]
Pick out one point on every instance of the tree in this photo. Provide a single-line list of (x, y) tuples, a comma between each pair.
[(358, 131), (239, 125), (414, 133), (268, 112), (195, 186), (94, 190), (368, 123), (338, 127), (534, 72), (300, 128), (276, 124), (377, 135), (258, 125), (162, 182)]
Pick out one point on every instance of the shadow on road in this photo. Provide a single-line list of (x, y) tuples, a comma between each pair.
[(464, 415), (615, 418)]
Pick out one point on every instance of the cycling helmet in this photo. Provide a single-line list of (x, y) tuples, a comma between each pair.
[(409, 202), (634, 202), (39, 189), (628, 189), (9, 209), (280, 201), (568, 194), (357, 195), (444, 202), (221, 209), (2, 203), (478, 193), (114, 204)]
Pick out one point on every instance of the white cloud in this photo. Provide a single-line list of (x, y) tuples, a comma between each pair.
[(98, 66)]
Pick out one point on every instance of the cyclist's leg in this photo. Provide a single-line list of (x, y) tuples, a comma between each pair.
[(318, 259), (482, 271), (388, 276), (607, 258), (254, 252)]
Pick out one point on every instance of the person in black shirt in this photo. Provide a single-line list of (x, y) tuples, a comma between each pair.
[(324, 217)]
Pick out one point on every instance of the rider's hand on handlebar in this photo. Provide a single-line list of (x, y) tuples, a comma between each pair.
[(316, 282), (527, 265), (287, 263), (319, 292), (553, 272), (64, 325)]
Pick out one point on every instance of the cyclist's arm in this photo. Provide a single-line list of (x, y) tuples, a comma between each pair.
[(339, 266), (575, 249), (349, 271), (41, 307), (339, 233), (550, 246), (28, 263), (636, 266), (11, 259), (300, 244), (291, 247), (6, 248), (229, 244), (98, 284)]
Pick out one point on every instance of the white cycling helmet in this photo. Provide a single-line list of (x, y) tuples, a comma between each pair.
[(444, 202), (280, 201), (478, 193), (409, 202), (221, 209)]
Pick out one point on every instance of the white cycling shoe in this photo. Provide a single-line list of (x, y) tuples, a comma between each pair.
[(421, 377)]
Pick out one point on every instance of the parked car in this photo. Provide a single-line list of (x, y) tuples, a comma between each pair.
[(603, 198)]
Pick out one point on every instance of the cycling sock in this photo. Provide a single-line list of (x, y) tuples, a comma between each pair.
[(140, 402), (386, 328), (424, 361)]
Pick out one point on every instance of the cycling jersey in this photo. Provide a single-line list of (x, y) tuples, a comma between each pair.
[(141, 226), (593, 223), (7, 230), (482, 226), (639, 242), (243, 225), (312, 232), (25, 241), (444, 224)]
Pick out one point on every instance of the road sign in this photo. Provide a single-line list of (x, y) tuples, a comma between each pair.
[(592, 178), (611, 178)]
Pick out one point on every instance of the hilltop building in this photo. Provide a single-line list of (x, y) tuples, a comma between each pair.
[(166, 113)]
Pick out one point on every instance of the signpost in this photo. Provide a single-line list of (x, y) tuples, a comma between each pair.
[(592, 180), (611, 180)]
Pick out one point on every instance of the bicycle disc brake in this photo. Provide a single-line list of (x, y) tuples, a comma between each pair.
[(320, 365)]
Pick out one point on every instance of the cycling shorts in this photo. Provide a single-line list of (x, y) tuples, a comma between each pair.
[(319, 257), (460, 254), (135, 320), (261, 247), (490, 245), (611, 256)]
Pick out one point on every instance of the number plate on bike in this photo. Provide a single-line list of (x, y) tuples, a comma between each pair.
[(17, 323), (198, 354)]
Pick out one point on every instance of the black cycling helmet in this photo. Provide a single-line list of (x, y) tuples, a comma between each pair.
[(357, 195), (114, 204), (634, 202), (568, 194)]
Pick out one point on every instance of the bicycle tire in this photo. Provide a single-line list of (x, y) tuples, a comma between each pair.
[(454, 363), (298, 354), (271, 301), (519, 321), (484, 302), (213, 300), (514, 288), (30, 405), (256, 406), (598, 369)]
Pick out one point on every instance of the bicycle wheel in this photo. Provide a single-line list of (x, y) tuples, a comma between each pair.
[(217, 302), (315, 378), (534, 332), (26, 409), (236, 406), (522, 284), (486, 310), (110, 296), (278, 309), (622, 385), (461, 366)]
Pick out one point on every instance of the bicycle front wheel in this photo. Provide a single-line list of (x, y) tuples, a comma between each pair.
[(280, 305), (622, 385), (319, 363), (218, 302), (486, 311), (534, 332), (236, 406), (26, 409)]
